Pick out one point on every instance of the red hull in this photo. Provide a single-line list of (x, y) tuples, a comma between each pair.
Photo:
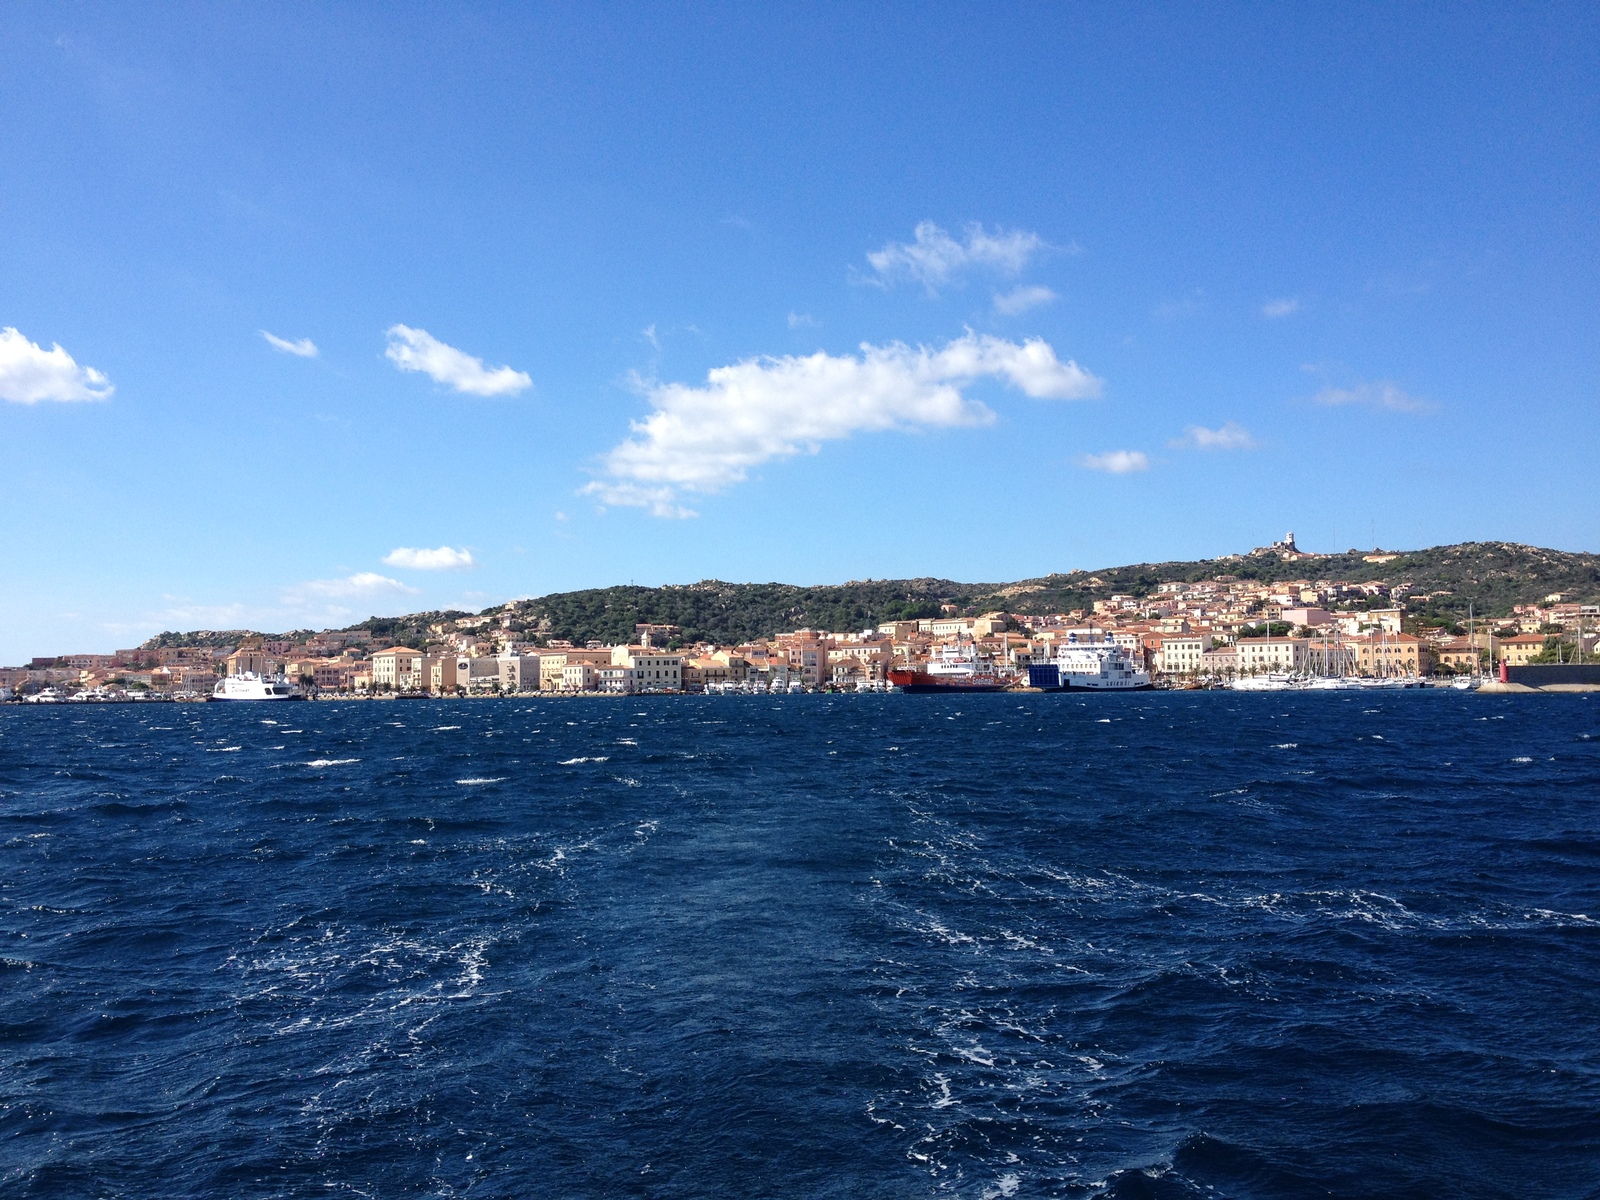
[(921, 681)]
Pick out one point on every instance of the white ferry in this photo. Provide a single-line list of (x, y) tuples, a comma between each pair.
[(1099, 666), (255, 687)]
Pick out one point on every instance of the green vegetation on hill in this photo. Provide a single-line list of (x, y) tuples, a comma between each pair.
[(736, 612), (1491, 576)]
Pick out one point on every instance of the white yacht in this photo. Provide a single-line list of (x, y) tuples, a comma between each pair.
[(255, 687)]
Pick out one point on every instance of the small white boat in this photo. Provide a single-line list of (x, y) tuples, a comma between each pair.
[(1266, 683), (255, 687)]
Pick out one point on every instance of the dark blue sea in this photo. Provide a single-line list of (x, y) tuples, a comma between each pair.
[(1174, 945)]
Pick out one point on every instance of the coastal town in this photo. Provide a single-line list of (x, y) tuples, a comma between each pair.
[(1215, 632)]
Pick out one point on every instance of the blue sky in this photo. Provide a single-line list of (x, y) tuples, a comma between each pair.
[(932, 290)]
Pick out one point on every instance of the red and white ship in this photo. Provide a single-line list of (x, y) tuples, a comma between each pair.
[(954, 668)]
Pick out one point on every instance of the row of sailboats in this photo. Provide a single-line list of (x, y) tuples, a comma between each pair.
[(1330, 666)]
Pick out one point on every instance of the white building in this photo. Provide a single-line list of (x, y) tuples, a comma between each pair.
[(654, 670), (1182, 655), (398, 669), (1281, 654), (579, 677)]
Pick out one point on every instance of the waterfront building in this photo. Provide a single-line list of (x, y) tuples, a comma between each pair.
[(554, 663), (399, 669), (655, 671), (1390, 654), (1261, 655), (1522, 649), (1182, 655), (518, 672)]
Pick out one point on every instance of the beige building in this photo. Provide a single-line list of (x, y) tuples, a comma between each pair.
[(398, 669), (1183, 655), (869, 660), (1259, 656), (577, 677), (334, 675), (519, 672), (451, 674), (718, 667), (654, 670), (1520, 650), (1460, 654), (1388, 655), (553, 665)]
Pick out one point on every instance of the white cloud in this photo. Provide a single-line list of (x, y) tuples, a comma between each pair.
[(1286, 307), (1381, 394), (704, 439), (360, 585), (1231, 436), (649, 335), (1116, 462), (304, 348), (801, 320), (934, 257), (29, 373), (1021, 299), (313, 604), (417, 350), (661, 501), (445, 558)]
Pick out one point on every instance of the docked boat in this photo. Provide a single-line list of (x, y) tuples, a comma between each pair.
[(1099, 666), (956, 667), (1274, 682), (256, 687)]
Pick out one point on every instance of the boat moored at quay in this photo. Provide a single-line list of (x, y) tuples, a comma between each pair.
[(954, 668), (256, 687), (1092, 666)]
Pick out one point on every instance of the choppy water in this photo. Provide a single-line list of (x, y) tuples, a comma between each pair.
[(1179, 945)]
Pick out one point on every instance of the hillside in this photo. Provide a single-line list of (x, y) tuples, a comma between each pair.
[(1491, 576)]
